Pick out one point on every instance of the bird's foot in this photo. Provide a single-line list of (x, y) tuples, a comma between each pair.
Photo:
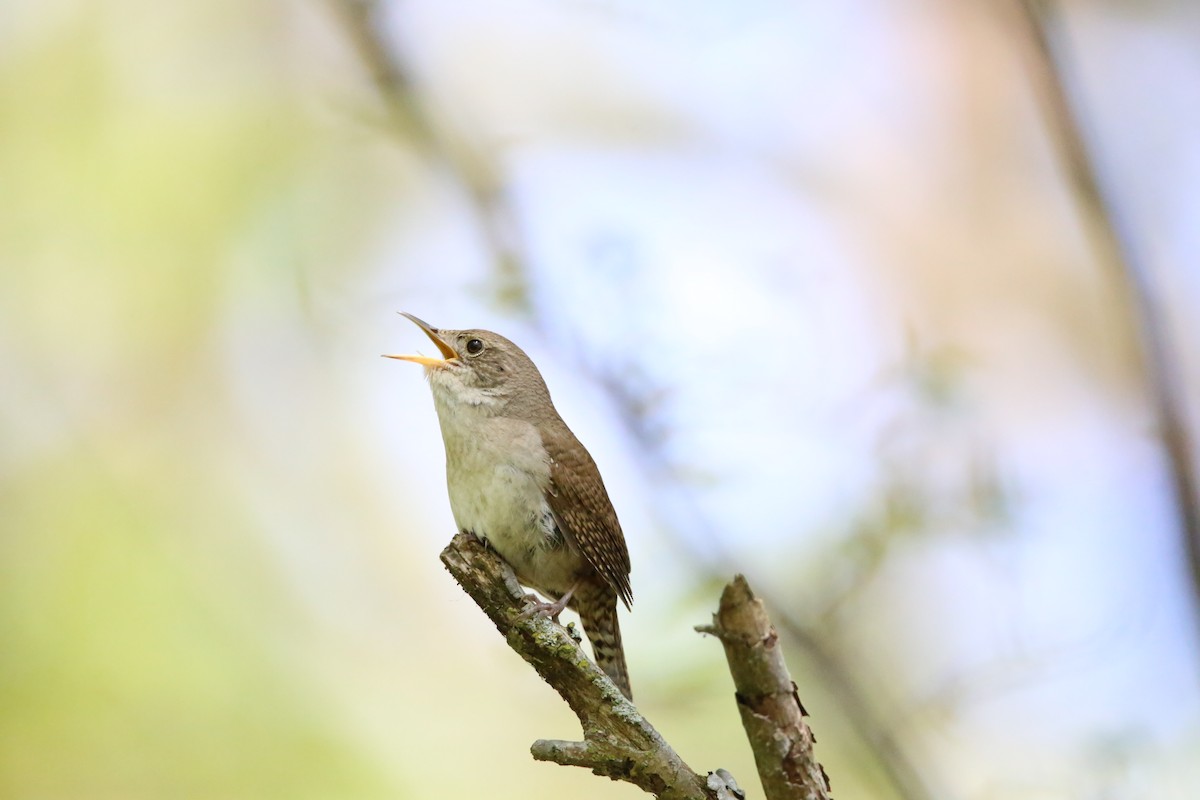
[(483, 540), (544, 609), (540, 608)]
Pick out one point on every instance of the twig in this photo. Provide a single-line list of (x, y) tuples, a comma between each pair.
[(1049, 64), (470, 171), (618, 742), (767, 698)]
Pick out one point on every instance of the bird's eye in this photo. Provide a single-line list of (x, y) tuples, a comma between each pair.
[(474, 346)]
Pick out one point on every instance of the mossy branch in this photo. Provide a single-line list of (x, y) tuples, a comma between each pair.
[(618, 742)]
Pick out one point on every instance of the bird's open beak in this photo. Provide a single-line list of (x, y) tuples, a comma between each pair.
[(447, 351)]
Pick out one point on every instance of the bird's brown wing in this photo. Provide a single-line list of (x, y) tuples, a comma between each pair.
[(584, 513)]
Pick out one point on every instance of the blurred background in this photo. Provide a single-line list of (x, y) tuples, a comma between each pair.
[(818, 284)]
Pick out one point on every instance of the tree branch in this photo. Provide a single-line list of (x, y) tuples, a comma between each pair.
[(470, 169), (767, 698), (1041, 32), (618, 742)]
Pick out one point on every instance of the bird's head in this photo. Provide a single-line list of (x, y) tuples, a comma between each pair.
[(478, 367)]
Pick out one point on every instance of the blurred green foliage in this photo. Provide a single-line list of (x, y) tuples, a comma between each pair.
[(152, 158), (124, 673)]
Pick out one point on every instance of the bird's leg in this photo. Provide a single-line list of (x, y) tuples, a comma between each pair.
[(551, 610)]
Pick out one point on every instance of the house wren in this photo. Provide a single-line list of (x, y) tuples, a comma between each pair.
[(521, 482)]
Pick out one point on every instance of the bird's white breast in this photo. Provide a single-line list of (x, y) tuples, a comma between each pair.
[(497, 472)]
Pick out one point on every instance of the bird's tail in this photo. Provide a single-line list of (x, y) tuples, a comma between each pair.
[(597, 607)]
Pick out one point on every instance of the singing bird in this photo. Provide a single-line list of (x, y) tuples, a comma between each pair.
[(522, 483)]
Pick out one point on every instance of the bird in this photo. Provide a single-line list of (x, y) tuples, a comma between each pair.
[(520, 481)]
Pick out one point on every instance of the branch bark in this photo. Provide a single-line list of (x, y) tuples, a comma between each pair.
[(767, 698), (618, 742)]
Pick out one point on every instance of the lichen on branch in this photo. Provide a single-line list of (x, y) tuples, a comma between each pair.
[(618, 742)]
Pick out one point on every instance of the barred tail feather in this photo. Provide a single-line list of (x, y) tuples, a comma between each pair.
[(597, 607)]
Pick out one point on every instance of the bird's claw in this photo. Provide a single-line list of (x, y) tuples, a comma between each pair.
[(540, 608)]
